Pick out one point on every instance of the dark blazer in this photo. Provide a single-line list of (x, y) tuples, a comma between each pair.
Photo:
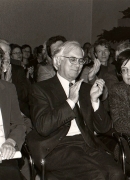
[(22, 87), (12, 120), (51, 116)]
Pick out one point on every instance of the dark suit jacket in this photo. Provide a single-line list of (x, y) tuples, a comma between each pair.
[(22, 87), (12, 120), (51, 116)]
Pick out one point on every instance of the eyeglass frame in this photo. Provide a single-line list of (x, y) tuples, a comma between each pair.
[(125, 67), (75, 58), (17, 53), (126, 72)]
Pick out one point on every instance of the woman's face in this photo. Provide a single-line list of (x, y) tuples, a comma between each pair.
[(17, 54), (125, 68)]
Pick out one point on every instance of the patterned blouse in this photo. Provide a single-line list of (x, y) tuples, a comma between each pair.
[(119, 101)]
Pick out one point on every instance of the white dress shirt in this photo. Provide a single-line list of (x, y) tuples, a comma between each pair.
[(2, 134), (73, 128)]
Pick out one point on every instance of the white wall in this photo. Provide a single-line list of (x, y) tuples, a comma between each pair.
[(34, 21)]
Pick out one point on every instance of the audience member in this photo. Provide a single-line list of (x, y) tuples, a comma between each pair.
[(119, 98), (5, 61), (16, 52), (111, 59), (38, 58), (27, 52), (19, 80), (47, 71), (89, 72), (15, 74), (66, 117), (37, 54), (107, 70), (86, 47), (12, 129), (26, 62)]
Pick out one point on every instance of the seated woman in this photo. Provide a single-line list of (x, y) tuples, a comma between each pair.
[(119, 97), (26, 62)]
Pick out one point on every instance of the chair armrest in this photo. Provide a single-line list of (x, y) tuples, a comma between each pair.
[(118, 137), (26, 152)]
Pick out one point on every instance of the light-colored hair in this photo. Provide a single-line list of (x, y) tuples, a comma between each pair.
[(4, 42), (121, 47), (64, 49)]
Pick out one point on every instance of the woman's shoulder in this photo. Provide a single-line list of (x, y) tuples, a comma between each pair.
[(118, 86)]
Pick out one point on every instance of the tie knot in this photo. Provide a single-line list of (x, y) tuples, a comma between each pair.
[(70, 84)]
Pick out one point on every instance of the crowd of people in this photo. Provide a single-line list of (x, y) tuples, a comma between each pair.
[(63, 94)]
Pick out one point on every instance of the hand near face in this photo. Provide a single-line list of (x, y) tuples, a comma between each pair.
[(97, 90), (8, 74), (94, 70), (74, 91), (7, 150), (31, 70)]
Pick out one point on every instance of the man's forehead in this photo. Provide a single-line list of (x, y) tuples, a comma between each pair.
[(27, 48), (101, 47), (76, 51)]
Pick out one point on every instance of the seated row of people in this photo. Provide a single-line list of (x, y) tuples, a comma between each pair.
[(56, 119)]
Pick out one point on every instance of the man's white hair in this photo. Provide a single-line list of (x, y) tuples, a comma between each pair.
[(64, 49), (4, 42)]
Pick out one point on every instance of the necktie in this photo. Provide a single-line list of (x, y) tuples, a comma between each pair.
[(86, 133)]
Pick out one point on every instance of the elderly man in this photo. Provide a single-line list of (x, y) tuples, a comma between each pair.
[(12, 131), (65, 114), (12, 71)]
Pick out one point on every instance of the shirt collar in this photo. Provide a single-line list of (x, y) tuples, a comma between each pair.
[(64, 83)]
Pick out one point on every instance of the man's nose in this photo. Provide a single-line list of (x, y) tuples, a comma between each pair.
[(103, 53), (77, 64)]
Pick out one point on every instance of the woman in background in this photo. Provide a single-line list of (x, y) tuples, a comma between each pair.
[(119, 96), (119, 99)]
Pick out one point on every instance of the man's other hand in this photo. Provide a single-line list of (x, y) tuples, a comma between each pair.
[(97, 90), (94, 70), (74, 91), (7, 150)]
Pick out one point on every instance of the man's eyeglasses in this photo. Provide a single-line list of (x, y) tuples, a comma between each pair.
[(125, 71), (74, 60)]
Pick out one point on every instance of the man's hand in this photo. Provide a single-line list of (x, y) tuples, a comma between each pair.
[(74, 91), (7, 70), (97, 90), (7, 150), (94, 70), (8, 76), (30, 71)]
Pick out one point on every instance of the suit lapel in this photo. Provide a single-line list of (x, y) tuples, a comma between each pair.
[(57, 90), (58, 94)]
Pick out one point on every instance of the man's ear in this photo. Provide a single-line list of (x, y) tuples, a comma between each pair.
[(56, 62)]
